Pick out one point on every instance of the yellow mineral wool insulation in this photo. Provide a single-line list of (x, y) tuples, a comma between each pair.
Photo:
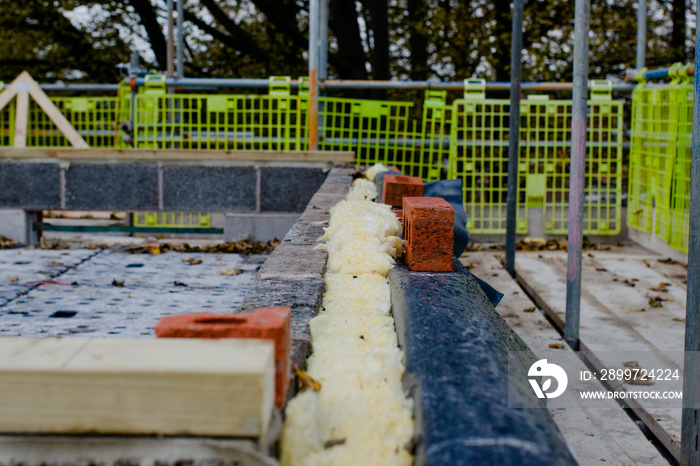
[(375, 170), (360, 415), (362, 190)]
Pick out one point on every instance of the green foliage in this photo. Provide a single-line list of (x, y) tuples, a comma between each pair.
[(369, 39)]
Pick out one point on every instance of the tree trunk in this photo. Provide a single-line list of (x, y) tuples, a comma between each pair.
[(349, 62), (149, 20), (678, 49), (503, 32), (418, 39)]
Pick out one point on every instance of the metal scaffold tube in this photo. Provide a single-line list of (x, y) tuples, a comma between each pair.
[(641, 33), (314, 20), (180, 67), (690, 427), (514, 133), (185, 83), (578, 168)]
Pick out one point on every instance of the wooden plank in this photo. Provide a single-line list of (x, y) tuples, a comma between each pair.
[(611, 333), (595, 434), (21, 119), (150, 386), (56, 116), (181, 155), (7, 95)]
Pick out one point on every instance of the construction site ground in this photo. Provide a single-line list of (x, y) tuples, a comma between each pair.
[(633, 302)]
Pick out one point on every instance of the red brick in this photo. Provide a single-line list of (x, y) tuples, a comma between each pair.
[(268, 323), (396, 187), (428, 228)]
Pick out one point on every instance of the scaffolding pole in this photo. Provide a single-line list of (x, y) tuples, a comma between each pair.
[(690, 427), (578, 169), (314, 20), (180, 39), (641, 33), (323, 42), (514, 133)]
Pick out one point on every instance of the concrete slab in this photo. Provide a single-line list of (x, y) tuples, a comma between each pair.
[(258, 226), (604, 433), (18, 225), (120, 295)]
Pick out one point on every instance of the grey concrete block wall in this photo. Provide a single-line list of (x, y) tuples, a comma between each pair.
[(209, 188), (33, 186), (288, 189), (111, 186)]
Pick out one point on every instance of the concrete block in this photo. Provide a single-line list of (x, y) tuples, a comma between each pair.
[(429, 233), (324, 202), (302, 296), (288, 189), (258, 226), (396, 187), (303, 233), (294, 262), (17, 225), (263, 323), (30, 185), (208, 188), (112, 186)]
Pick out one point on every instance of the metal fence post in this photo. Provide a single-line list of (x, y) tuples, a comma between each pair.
[(514, 134), (577, 172), (690, 427)]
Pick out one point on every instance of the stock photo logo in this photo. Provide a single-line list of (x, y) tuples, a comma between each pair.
[(547, 372)]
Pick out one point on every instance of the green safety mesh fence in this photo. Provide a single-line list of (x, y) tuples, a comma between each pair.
[(479, 158), (172, 219), (7, 125), (226, 122), (546, 152), (680, 201), (659, 169), (466, 139)]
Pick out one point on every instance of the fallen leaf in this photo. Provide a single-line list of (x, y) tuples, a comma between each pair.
[(232, 271), (12, 278), (179, 283), (529, 309), (516, 292), (192, 261), (306, 380), (556, 345), (656, 301), (678, 319), (115, 282), (55, 263), (668, 260), (638, 309), (601, 269), (647, 263)]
